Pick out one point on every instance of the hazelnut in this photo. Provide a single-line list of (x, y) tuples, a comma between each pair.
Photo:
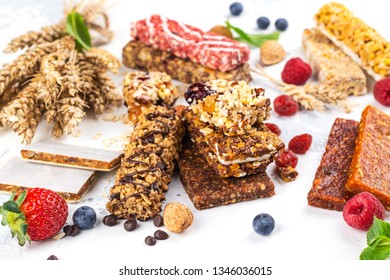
[(222, 30), (177, 217), (271, 52)]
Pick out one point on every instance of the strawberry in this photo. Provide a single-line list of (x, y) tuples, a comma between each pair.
[(35, 214)]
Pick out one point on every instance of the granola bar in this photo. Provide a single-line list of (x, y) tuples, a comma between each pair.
[(141, 88), (207, 189), (328, 190), (56, 153), (233, 107), (370, 165), (235, 156), (147, 167), (332, 66), (358, 40), (138, 55)]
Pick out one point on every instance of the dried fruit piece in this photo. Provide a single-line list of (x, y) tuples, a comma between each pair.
[(296, 72), (382, 91), (197, 91), (271, 52), (285, 159), (360, 210), (274, 128), (285, 105), (300, 144)]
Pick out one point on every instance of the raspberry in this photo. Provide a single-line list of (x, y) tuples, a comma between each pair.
[(285, 105), (360, 210), (300, 143), (285, 159), (274, 128), (382, 91), (296, 71)]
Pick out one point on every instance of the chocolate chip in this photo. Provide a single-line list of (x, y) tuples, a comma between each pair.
[(75, 230), (71, 230), (150, 240), (52, 257), (130, 224), (158, 221), (67, 230), (161, 235), (110, 220)]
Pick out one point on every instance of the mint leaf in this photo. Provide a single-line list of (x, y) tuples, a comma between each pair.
[(77, 28), (378, 228), (378, 250), (253, 39)]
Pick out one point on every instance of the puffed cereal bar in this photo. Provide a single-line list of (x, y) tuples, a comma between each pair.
[(358, 40)]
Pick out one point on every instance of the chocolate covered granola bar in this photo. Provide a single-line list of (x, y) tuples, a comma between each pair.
[(207, 189), (147, 167), (328, 190)]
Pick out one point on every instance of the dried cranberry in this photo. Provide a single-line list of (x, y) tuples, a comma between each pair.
[(285, 105), (197, 92), (300, 143), (274, 128), (286, 158)]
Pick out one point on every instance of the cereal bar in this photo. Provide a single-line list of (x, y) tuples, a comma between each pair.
[(328, 190), (370, 165), (233, 107), (235, 156), (332, 66), (147, 167), (358, 40), (142, 88), (138, 55), (207, 189)]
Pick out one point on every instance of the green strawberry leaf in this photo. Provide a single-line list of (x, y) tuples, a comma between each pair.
[(77, 28), (378, 228), (20, 199), (11, 206)]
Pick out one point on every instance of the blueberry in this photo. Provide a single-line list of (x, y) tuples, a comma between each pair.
[(263, 224), (236, 8), (84, 217), (263, 22), (281, 24)]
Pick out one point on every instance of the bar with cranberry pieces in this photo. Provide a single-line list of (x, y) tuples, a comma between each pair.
[(328, 189), (370, 167)]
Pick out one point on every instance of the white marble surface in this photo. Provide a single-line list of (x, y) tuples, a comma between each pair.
[(223, 234)]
